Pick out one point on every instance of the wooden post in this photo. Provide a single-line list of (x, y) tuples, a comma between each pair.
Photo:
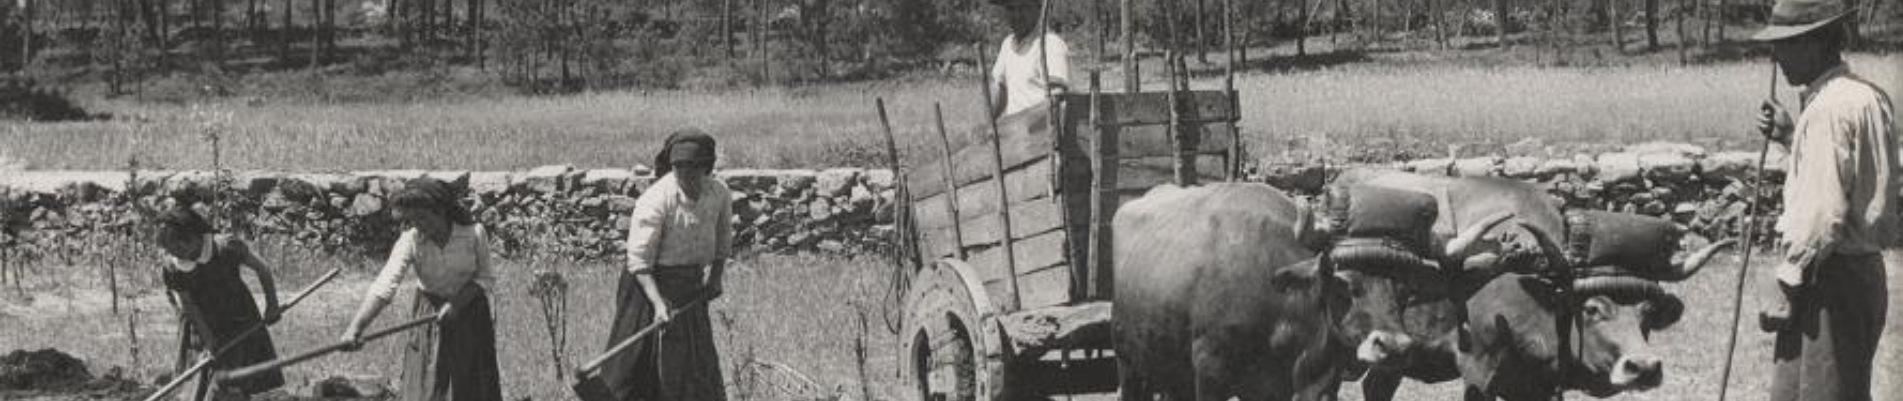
[(951, 183), (1185, 168), (1103, 194), (902, 213), (1004, 198), (1132, 81), (1234, 166)]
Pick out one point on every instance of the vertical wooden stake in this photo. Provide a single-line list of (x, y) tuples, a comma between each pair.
[(1103, 194), (951, 183), (1004, 198), (1132, 82)]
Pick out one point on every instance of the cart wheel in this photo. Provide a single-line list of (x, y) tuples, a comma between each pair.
[(943, 356)]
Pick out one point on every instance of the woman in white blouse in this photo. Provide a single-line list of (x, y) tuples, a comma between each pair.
[(678, 241), (447, 251)]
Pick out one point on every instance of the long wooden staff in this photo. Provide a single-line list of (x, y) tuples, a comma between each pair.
[(1750, 238)]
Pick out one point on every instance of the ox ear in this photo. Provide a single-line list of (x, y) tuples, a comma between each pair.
[(1665, 311)]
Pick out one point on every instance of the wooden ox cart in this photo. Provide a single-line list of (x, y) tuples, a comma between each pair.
[(1014, 243)]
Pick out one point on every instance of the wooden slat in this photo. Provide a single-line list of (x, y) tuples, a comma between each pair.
[(1148, 172), (1038, 251), (1026, 137), (981, 199), (1049, 286), (1154, 140), (1028, 219), (937, 243), (1149, 107), (1042, 286)]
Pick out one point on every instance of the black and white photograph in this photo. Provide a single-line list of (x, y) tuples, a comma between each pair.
[(951, 200)]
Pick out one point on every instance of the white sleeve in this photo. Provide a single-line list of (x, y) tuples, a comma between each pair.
[(401, 257), (1059, 56)]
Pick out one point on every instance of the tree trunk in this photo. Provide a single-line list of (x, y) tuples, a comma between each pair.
[(1436, 15), (317, 26), (1500, 20), (1651, 25), (284, 34), (1301, 28), (1725, 4), (726, 28), (1202, 38), (1684, 39), (26, 33), (1618, 27)]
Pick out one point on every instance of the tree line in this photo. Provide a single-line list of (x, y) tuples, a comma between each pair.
[(574, 44)]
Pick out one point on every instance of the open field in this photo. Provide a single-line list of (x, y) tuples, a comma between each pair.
[(1368, 110), (792, 311)]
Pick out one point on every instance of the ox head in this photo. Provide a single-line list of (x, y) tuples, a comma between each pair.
[(1614, 308), (1375, 257)]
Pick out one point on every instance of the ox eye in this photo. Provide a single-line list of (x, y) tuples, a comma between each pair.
[(1594, 311)]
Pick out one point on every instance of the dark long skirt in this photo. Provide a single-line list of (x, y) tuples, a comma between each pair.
[(684, 365), (216, 308), (454, 360), (1828, 355)]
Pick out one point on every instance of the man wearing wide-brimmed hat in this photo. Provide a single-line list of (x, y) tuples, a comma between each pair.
[(1841, 208), (1018, 76)]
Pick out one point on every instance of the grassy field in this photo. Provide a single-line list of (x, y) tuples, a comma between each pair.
[(1374, 110), (793, 313)]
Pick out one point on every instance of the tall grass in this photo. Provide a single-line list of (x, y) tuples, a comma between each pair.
[(1367, 107), (779, 310)]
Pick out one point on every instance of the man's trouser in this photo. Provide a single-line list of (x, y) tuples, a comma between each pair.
[(1828, 352)]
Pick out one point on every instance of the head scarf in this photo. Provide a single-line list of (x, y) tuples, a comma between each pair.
[(692, 144), (433, 194)]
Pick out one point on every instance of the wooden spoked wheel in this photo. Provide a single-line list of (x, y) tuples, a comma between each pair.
[(944, 355)]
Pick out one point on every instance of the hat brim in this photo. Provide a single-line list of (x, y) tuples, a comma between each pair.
[(1781, 32)]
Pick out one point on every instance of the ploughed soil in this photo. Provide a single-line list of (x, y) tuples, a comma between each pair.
[(50, 375)]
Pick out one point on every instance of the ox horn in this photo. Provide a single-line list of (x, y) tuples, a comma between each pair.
[(1619, 285), (1548, 246), (1691, 265), (1304, 223), (1467, 238)]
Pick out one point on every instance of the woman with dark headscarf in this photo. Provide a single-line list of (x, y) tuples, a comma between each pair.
[(679, 239), (215, 305), (448, 253)]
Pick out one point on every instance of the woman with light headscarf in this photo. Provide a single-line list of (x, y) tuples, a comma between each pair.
[(679, 238), (447, 251)]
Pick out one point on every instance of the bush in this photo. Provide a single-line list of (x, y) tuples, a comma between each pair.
[(20, 100)]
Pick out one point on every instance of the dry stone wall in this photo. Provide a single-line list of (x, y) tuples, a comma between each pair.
[(582, 213)]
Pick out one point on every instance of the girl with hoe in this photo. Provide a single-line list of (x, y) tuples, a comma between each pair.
[(214, 304)]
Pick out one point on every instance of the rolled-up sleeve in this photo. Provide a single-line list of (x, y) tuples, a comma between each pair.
[(1059, 56), (1818, 193), (644, 228), (402, 257), (723, 230), (485, 271)]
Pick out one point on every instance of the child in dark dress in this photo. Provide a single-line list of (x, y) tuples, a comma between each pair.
[(215, 305)]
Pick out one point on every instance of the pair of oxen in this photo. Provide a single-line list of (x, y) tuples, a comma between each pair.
[(1238, 291)]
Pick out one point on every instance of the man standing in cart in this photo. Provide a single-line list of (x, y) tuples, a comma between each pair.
[(1018, 77), (1841, 208)]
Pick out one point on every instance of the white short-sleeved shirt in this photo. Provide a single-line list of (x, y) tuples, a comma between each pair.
[(668, 229), (1022, 74)]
